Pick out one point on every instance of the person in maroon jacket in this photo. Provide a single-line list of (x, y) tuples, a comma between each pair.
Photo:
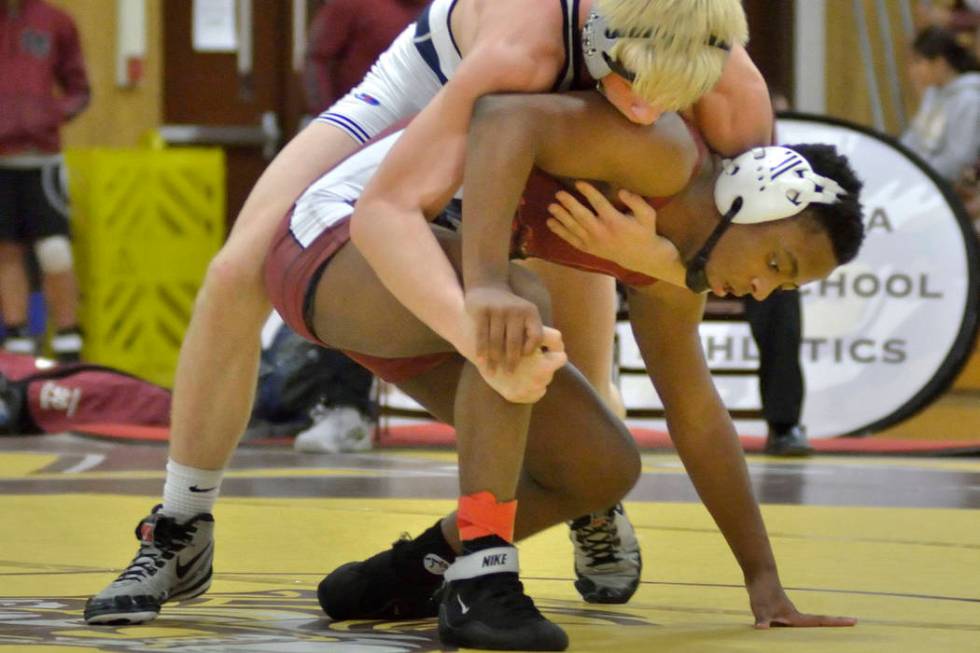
[(346, 38), (42, 85)]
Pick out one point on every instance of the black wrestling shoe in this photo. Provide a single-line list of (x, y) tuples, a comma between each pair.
[(484, 605), (788, 442), (395, 584)]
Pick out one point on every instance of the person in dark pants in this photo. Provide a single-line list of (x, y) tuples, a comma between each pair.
[(777, 326), (43, 85)]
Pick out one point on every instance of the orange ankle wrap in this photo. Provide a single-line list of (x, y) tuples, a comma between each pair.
[(480, 515)]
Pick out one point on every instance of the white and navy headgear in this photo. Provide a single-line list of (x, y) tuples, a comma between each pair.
[(761, 185), (598, 40)]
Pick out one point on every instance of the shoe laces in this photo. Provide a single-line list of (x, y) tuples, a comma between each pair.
[(169, 538), (599, 541)]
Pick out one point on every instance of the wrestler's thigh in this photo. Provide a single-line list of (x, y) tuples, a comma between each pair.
[(354, 310), (583, 308), (575, 443), (435, 390)]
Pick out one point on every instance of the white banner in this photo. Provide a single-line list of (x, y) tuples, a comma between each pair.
[(885, 334)]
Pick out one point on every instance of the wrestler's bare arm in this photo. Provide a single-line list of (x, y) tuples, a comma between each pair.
[(573, 135), (665, 324), (425, 168), (736, 115)]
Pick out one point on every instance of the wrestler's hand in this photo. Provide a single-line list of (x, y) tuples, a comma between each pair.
[(772, 608), (530, 378), (507, 327), (628, 239)]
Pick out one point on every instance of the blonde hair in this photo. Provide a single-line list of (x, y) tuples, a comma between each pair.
[(672, 45)]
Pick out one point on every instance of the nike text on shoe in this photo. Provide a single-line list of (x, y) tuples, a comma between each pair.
[(172, 564), (399, 583), (607, 556), (484, 605)]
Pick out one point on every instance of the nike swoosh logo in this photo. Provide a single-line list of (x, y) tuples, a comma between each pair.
[(462, 606), (194, 488), (183, 569)]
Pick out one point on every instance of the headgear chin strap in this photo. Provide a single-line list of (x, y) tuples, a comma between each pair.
[(598, 40), (761, 185)]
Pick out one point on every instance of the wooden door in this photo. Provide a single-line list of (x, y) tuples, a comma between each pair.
[(771, 25), (203, 88)]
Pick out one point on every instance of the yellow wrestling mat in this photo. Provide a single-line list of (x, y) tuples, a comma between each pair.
[(910, 575)]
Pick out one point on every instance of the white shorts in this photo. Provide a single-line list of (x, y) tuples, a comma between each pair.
[(403, 80)]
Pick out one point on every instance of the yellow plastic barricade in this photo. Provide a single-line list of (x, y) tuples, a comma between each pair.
[(145, 224)]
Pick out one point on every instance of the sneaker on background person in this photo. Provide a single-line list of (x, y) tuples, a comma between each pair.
[(791, 441), (338, 429), (66, 345), (607, 556), (18, 341)]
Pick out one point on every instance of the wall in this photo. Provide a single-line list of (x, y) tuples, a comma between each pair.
[(117, 117), (847, 87)]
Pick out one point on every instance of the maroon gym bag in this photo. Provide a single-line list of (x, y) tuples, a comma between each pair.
[(51, 399)]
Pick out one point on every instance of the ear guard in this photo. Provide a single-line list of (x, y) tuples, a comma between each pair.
[(761, 185), (598, 40)]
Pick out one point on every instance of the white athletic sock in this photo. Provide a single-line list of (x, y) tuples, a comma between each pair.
[(189, 491)]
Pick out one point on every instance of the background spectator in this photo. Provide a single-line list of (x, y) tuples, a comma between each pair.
[(960, 16), (968, 188), (946, 128), (43, 84), (777, 327), (346, 37)]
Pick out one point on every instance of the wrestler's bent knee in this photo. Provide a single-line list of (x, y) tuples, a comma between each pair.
[(612, 475)]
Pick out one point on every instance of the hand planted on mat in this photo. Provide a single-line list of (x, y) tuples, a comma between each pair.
[(628, 239), (773, 609), (529, 380)]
